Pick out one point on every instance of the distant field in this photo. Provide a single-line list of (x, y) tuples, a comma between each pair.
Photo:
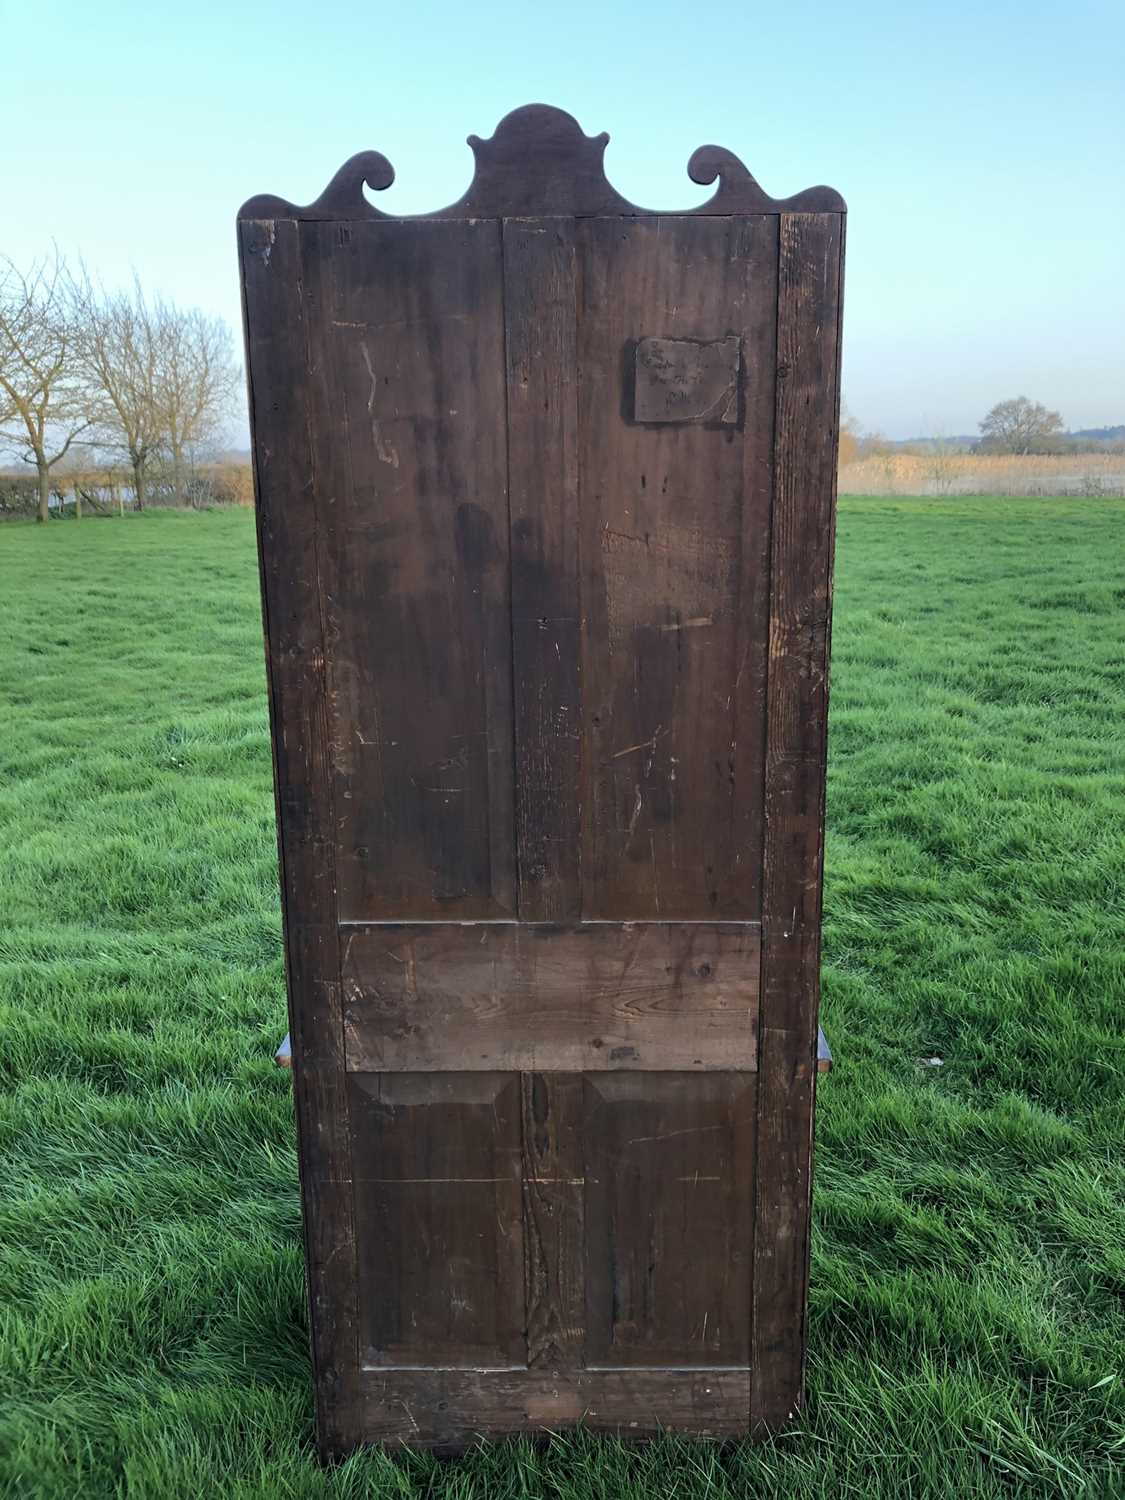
[(968, 1285), (1092, 475)]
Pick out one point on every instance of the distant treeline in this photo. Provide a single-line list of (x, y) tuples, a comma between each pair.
[(101, 489), (1084, 440)]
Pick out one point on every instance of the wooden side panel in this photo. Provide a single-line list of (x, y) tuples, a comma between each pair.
[(668, 1219), (674, 527), (408, 363), (291, 551), (542, 376), (800, 612), (497, 996), (438, 1219)]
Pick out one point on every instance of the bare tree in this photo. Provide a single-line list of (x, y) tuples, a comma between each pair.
[(197, 377), (44, 403), (1019, 426), (120, 341)]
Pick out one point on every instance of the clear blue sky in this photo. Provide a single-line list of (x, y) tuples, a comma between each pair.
[(981, 148)]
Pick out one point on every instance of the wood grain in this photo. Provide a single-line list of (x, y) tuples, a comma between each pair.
[(800, 608), (408, 368), (687, 380), (449, 1409), (542, 381), (674, 524), (283, 1057), (554, 1179), (506, 996), (437, 1182), (669, 1218)]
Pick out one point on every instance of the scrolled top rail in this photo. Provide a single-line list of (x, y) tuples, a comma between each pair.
[(540, 163)]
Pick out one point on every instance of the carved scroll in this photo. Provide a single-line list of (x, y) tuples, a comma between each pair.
[(540, 162)]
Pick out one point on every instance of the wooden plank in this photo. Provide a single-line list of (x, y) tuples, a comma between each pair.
[(748, 689), (450, 1409), (540, 325), (669, 1219), (672, 546), (283, 1057), (290, 549), (800, 606), (554, 1180), (408, 367), (438, 1219), (504, 996)]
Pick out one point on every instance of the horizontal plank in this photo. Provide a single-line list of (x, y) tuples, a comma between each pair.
[(535, 997), (283, 1057), (450, 1408)]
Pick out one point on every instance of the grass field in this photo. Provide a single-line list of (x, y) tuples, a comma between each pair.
[(968, 1305)]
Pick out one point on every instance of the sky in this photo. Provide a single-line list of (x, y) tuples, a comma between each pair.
[(980, 147)]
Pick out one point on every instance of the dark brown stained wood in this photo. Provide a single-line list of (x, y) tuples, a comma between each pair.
[(408, 369), (674, 537), (540, 323), (545, 502), (800, 608), (450, 1409), (554, 1177), (290, 548), (283, 1057), (490, 997), (537, 162), (748, 690), (438, 1219), (687, 380), (669, 1219)]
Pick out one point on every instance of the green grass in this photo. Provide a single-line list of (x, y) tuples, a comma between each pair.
[(967, 1312)]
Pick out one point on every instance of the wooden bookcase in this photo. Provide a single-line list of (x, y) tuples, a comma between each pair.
[(546, 491)]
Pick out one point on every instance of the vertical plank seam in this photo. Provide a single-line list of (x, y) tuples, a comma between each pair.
[(737, 225), (576, 268), (579, 245), (516, 814), (763, 1013), (502, 235), (522, 1079)]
